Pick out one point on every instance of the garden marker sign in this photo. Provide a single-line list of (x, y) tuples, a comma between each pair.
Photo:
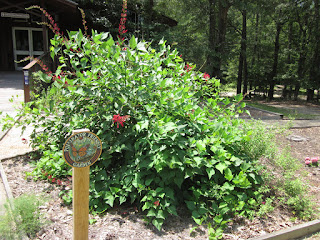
[(80, 151)]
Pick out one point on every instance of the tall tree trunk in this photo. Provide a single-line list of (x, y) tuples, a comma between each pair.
[(242, 55), (255, 47), (273, 73), (314, 68), (220, 44), (245, 64), (212, 37), (289, 62), (301, 61)]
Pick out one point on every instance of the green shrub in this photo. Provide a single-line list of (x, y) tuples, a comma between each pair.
[(168, 139)]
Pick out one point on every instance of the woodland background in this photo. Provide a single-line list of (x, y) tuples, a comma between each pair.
[(252, 45)]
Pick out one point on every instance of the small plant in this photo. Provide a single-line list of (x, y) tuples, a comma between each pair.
[(267, 206), (311, 162), (24, 219)]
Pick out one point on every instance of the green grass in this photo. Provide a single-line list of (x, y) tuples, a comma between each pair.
[(288, 113)]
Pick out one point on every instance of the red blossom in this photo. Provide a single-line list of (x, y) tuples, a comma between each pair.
[(314, 159), (122, 26), (206, 76), (157, 203), (59, 182), (119, 119), (53, 180), (49, 177)]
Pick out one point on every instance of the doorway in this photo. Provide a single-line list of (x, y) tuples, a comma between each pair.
[(26, 42)]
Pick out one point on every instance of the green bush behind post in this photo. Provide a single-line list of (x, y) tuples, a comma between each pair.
[(168, 139)]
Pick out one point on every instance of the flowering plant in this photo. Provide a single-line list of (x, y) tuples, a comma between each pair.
[(311, 161)]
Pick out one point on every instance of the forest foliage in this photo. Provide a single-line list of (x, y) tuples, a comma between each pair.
[(252, 44)]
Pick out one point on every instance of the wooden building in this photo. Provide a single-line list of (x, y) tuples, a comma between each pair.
[(22, 36)]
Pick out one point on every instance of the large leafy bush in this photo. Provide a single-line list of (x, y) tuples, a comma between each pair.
[(168, 139)]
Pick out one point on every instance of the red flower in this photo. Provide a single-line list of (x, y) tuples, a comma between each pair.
[(122, 26), (53, 180), (156, 203), (59, 182), (119, 119), (49, 177), (314, 159), (206, 76)]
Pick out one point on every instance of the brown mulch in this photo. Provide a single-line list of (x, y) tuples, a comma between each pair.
[(126, 222)]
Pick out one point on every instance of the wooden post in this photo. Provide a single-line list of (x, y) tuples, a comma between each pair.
[(80, 204), (80, 185)]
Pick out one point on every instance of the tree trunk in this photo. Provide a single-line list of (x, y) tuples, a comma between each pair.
[(289, 62), (255, 49), (242, 56), (302, 59), (245, 63), (222, 29), (310, 95), (273, 73), (245, 77), (212, 37), (315, 63)]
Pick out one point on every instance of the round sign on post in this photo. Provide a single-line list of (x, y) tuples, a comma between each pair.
[(82, 149)]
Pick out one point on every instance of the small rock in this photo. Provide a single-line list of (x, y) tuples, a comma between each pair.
[(297, 138)]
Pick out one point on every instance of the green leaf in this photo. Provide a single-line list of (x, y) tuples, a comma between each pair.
[(133, 42), (161, 214), (210, 172), (191, 205), (221, 166), (157, 223), (227, 186), (172, 210), (201, 145), (122, 199), (179, 178), (109, 199), (148, 181), (228, 174), (198, 220), (141, 47), (151, 212)]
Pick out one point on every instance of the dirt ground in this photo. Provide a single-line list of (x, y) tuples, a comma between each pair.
[(127, 222)]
